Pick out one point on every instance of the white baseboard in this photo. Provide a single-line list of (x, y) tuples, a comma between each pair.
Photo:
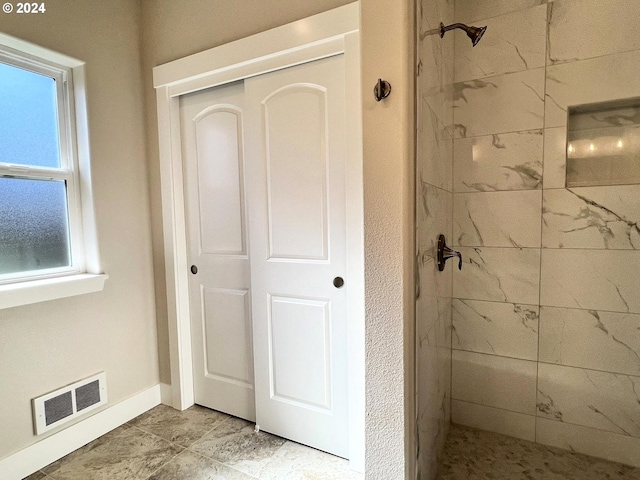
[(31, 459), (165, 394)]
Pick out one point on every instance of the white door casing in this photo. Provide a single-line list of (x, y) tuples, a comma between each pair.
[(219, 290), (296, 149), (320, 36)]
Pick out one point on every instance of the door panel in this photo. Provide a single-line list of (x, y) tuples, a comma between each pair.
[(290, 320), (218, 164), (227, 331), (213, 156), (296, 139), (295, 131)]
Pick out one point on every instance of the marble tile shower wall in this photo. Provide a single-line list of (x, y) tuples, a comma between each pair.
[(434, 207), (546, 311)]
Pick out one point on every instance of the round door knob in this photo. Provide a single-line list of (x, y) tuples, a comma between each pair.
[(338, 282), (194, 269)]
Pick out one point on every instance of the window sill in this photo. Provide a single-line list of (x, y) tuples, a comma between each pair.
[(24, 293)]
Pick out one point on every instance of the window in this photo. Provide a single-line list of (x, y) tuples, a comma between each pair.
[(45, 220)]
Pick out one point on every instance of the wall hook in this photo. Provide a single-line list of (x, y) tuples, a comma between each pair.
[(381, 90)]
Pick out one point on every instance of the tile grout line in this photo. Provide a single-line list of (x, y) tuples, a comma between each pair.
[(453, 196), (510, 12), (262, 468), (526, 131), (271, 459), (496, 408), (216, 461), (551, 249), (216, 425), (165, 440), (544, 144), (157, 436), (581, 309), (166, 463), (220, 422), (552, 364), (225, 463), (184, 449), (597, 57), (418, 188), (509, 357)]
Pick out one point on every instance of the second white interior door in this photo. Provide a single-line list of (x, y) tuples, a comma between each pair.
[(220, 281), (269, 300), (295, 148)]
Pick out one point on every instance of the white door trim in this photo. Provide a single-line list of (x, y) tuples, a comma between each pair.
[(330, 33)]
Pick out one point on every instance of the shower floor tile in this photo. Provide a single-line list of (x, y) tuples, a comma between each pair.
[(478, 455)]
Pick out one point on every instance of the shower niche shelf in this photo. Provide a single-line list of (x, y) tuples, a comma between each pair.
[(603, 144)]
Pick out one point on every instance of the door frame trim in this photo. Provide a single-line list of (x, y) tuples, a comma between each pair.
[(320, 36)]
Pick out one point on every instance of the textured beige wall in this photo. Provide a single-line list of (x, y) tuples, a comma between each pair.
[(387, 51), (45, 346), (174, 29)]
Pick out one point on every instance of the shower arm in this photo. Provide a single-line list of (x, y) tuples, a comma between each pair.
[(442, 30)]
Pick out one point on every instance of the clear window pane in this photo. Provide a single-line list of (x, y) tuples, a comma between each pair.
[(34, 229), (28, 118)]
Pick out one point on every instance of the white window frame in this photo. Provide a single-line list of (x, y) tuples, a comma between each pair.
[(67, 172), (84, 275)]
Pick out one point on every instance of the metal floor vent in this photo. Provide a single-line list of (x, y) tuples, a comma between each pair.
[(56, 408)]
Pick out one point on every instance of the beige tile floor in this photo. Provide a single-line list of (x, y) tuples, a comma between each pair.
[(477, 455), (197, 444)]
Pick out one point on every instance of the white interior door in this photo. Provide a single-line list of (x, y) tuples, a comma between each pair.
[(220, 294), (295, 130)]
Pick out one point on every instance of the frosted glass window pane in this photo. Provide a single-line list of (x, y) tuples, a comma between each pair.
[(28, 118), (34, 230)]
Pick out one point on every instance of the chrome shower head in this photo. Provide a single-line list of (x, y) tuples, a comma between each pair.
[(474, 33)]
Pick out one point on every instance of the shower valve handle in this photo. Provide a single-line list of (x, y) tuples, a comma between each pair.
[(445, 253)]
